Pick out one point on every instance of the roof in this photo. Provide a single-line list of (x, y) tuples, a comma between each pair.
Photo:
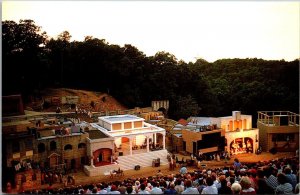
[(203, 121), (97, 134), (183, 122), (120, 118), (16, 123)]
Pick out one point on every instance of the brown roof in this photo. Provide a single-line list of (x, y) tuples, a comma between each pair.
[(183, 122), (96, 134)]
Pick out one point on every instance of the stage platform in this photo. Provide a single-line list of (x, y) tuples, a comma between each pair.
[(129, 162)]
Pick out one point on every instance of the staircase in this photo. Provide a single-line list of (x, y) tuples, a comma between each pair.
[(128, 163), (143, 159)]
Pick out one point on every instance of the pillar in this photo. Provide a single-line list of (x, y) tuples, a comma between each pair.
[(164, 141), (147, 143), (92, 161), (155, 139), (254, 145), (130, 145)]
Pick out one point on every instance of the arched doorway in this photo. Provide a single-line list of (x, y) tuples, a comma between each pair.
[(102, 156), (53, 159), (236, 146), (241, 145), (249, 144), (73, 163), (163, 110)]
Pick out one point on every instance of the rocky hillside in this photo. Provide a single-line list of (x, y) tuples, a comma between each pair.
[(88, 100)]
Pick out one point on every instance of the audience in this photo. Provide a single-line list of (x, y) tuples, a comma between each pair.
[(189, 189), (236, 188), (280, 176), (284, 187), (246, 186)]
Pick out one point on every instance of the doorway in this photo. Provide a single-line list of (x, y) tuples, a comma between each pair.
[(100, 157)]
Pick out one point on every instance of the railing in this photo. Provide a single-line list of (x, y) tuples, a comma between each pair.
[(270, 117)]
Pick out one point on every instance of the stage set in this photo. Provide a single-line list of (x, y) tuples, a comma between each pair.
[(240, 137), (124, 142)]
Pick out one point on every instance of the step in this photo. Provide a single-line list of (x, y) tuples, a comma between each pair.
[(144, 159)]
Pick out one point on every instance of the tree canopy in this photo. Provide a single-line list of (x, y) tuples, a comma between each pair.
[(31, 61)]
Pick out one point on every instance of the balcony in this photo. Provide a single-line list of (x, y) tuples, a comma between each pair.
[(278, 118)]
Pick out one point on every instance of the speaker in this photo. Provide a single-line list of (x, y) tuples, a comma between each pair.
[(137, 167), (273, 150)]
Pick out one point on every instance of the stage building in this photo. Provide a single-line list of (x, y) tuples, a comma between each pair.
[(230, 133), (240, 136), (128, 140), (279, 131)]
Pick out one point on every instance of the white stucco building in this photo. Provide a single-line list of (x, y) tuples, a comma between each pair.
[(239, 134), (125, 138)]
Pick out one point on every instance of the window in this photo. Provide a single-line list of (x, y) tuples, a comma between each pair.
[(41, 148), (15, 147), (52, 145), (68, 147), (81, 145)]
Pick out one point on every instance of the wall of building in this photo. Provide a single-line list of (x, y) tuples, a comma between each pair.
[(101, 143), (138, 124), (128, 125), (266, 132), (14, 127), (253, 134), (76, 153), (117, 126), (177, 143), (106, 154), (229, 124), (24, 152)]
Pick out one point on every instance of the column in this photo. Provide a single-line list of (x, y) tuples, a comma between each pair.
[(164, 141), (130, 145), (155, 139), (254, 144), (147, 143), (92, 161)]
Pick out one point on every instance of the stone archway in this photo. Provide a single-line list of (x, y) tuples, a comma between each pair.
[(53, 159), (241, 145), (102, 156), (157, 105), (163, 110)]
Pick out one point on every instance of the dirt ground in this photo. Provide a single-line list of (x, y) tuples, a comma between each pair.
[(85, 98), (81, 178)]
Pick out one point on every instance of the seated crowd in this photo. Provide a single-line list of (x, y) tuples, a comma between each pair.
[(280, 176)]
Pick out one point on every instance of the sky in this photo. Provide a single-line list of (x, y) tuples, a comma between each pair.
[(189, 30)]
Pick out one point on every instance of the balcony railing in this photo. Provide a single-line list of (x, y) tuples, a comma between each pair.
[(273, 118)]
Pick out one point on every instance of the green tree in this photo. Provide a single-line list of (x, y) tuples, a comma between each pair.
[(23, 48), (184, 107)]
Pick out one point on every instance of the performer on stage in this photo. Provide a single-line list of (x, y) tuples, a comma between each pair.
[(249, 146)]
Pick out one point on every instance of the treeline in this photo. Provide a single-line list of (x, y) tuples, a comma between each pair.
[(32, 61)]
